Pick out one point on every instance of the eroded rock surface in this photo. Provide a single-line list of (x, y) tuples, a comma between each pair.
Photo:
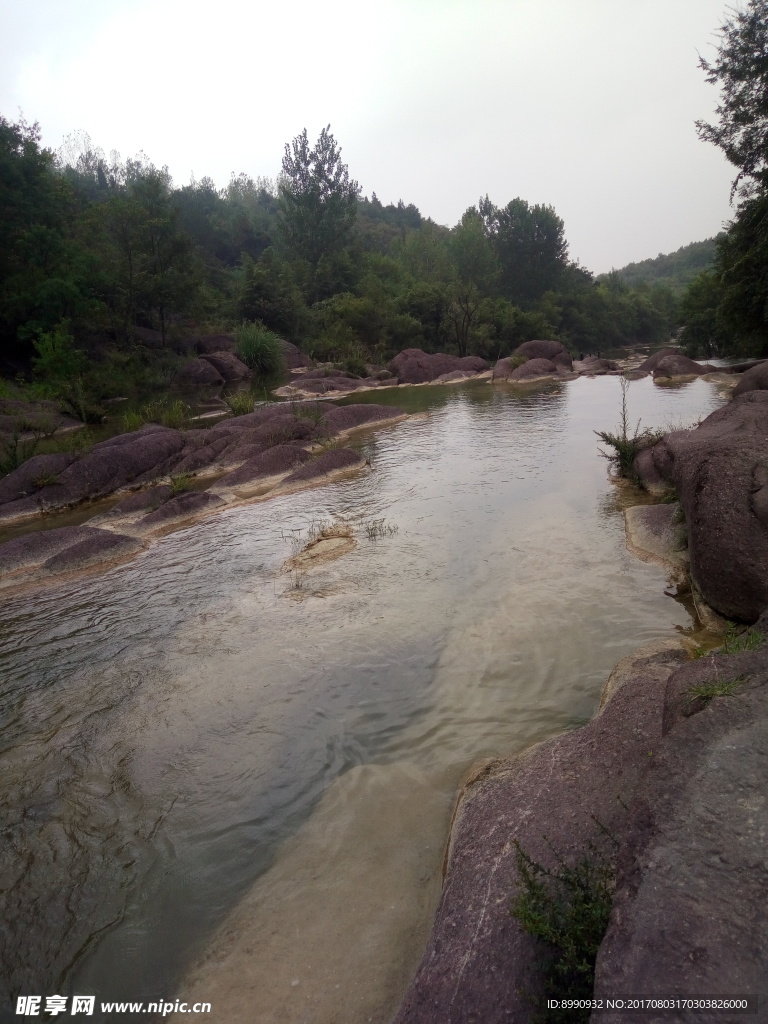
[(413, 366), (720, 471)]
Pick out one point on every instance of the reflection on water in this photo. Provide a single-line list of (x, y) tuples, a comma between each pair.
[(170, 724)]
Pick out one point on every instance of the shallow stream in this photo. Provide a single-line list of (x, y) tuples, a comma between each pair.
[(199, 748)]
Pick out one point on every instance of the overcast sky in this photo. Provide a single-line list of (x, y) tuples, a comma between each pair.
[(586, 105)]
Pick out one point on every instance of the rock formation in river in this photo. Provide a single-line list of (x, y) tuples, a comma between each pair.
[(720, 472), (412, 366)]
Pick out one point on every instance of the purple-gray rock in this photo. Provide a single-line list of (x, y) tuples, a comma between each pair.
[(151, 498), (32, 475), (689, 910), (274, 462), (293, 357), (534, 368), (329, 462), (100, 546), (227, 365), (678, 365), (755, 379), (185, 506), (720, 471), (338, 419), (413, 366), (544, 350), (197, 372), (33, 549), (652, 361)]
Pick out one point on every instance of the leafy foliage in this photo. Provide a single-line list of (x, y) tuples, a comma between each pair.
[(259, 348), (626, 445), (567, 909)]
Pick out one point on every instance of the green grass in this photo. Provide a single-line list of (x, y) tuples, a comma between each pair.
[(176, 415), (181, 483), (259, 348), (14, 451), (240, 402), (707, 691), (739, 640), (567, 909)]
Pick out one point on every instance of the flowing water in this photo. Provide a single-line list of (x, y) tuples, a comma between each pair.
[(203, 752)]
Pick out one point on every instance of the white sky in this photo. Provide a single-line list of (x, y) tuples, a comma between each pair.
[(587, 105)]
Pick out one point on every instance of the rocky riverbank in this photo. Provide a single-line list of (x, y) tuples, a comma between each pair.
[(666, 786), (159, 471)]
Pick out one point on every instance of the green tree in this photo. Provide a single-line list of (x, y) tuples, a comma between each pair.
[(530, 245), (317, 204), (741, 70)]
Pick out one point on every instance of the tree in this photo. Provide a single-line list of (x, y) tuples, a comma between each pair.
[(741, 69), (318, 201), (530, 245)]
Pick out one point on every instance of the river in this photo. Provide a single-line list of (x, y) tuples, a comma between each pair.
[(199, 747)]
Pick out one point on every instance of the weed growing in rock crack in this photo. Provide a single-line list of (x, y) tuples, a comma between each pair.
[(706, 691), (626, 446), (312, 412), (739, 640), (380, 528), (180, 483), (567, 909), (44, 480)]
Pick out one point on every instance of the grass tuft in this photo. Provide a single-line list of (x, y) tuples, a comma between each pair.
[(380, 528), (240, 402), (259, 348), (707, 691)]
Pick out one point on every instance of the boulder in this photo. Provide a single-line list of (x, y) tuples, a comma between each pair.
[(323, 373), (228, 365), (652, 361), (277, 461), (755, 379), (534, 368), (689, 909), (334, 461), (33, 549), (326, 384), (543, 350), (678, 365), (207, 343), (293, 357), (720, 471), (185, 506), (339, 419), (114, 464), (100, 546), (197, 372), (32, 475), (412, 366), (596, 366), (142, 501)]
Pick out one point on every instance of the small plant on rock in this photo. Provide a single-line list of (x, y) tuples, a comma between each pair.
[(707, 691), (180, 483), (625, 444), (567, 909), (240, 402)]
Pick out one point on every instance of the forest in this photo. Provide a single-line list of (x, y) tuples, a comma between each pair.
[(105, 264)]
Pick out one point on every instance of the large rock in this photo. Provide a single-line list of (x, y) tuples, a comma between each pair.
[(228, 365), (340, 419), (678, 365), (755, 379), (197, 372), (114, 464), (652, 361), (337, 460), (479, 966), (185, 506), (689, 912), (534, 369), (553, 350), (277, 461), (101, 546), (412, 366), (293, 357), (720, 471), (33, 475), (32, 549)]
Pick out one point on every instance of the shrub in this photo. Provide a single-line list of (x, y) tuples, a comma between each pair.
[(567, 909), (259, 348), (626, 446)]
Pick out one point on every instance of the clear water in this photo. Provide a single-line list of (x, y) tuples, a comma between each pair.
[(179, 732)]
